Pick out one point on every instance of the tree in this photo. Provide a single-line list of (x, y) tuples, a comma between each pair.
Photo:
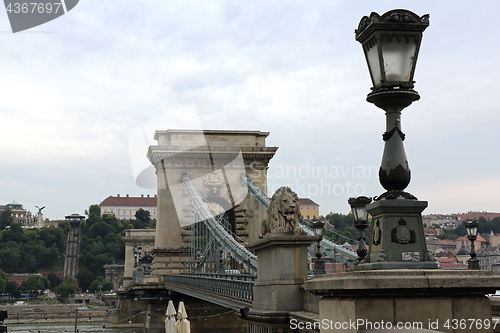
[(54, 279), (12, 289), (66, 289), (144, 216), (100, 229), (101, 281), (3, 280), (13, 264), (35, 283), (27, 251), (453, 233), (49, 257), (52, 236), (344, 226), (85, 278), (6, 218), (94, 214), (94, 211), (64, 226), (15, 234)]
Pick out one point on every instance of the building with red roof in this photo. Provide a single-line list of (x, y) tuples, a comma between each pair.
[(124, 208), (475, 216), (451, 263), (478, 243)]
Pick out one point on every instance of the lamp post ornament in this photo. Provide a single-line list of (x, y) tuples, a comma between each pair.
[(319, 261), (358, 208), (391, 43), (471, 226)]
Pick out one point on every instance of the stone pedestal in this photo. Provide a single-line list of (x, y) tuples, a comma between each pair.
[(282, 267), (427, 299), (397, 236)]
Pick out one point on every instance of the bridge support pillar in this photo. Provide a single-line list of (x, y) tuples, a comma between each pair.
[(282, 267), (167, 261)]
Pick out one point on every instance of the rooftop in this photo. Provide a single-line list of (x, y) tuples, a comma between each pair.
[(130, 201), (478, 239), (307, 202)]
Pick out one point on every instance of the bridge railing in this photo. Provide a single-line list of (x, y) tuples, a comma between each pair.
[(236, 287)]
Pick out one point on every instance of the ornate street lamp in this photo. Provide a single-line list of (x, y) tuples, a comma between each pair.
[(319, 261), (391, 43), (471, 227), (358, 208), (136, 256)]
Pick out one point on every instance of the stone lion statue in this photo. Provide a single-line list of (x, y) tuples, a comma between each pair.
[(283, 214)]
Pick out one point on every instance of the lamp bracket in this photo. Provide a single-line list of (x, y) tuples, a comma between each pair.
[(395, 97)]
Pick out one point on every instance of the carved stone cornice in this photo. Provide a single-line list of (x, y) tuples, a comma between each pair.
[(157, 153), (135, 241)]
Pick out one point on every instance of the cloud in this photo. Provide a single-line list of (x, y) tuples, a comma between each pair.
[(71, 98)]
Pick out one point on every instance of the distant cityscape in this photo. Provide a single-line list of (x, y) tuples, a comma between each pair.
[(451, 253)]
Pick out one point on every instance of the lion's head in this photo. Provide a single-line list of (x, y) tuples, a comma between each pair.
[(284, 213)]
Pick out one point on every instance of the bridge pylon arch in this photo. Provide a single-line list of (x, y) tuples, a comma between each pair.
[(214, 161)]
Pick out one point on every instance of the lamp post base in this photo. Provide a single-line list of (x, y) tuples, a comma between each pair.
[(399, 265), (397, 236), (473, 264), (319, 266)]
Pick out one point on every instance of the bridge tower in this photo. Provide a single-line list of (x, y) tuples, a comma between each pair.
[(214, 160)]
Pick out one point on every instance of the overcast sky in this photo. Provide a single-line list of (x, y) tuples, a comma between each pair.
[(74, 89)]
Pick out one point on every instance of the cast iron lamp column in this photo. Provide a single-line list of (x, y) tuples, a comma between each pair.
[(471, 227), (358, 208), (391, 43), (319, 261), (136, 256)]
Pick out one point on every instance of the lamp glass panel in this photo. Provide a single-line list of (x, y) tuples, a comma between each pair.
[(374, 65), (361, 214), (471, 231), (318, 231), (398, 59)]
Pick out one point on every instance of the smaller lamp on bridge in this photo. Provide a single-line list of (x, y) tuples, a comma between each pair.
[(471, 227), (319, 261), (358, 208)]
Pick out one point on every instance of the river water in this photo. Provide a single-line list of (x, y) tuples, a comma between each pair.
[(62, 328)]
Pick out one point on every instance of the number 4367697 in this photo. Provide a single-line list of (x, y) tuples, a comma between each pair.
[(33, 7), (479, 324)]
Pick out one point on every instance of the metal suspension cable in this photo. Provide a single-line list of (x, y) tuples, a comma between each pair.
[(221, 218), (255, 191), (335, 251), (204, 256), (237, 251)]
